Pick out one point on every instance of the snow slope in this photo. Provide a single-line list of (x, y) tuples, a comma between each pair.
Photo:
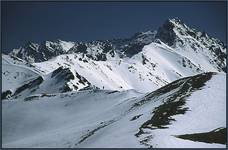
[(196, 111), (152, 68), (15, 73), (101, 118)]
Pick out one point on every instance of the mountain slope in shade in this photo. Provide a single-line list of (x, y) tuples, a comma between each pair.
[(15, 73), (101, 118)]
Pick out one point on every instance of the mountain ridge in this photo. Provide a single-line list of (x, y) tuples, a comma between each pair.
[(137, 38), (150, 59)]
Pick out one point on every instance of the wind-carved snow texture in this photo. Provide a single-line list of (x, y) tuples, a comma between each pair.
[(149, 90)]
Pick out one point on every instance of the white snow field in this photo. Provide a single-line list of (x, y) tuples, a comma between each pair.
[(15, 75), (104, 118)]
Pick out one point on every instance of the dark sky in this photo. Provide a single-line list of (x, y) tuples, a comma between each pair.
[(77, 21)]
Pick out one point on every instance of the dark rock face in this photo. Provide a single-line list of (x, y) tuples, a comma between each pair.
[(82, 80), (29, 49), (101, 57), (32, 84), (107, 47), (215, 136), (220, 57), (81, 48), (65, 88), (89, 50), (133, 49), (64, 75), (6, 94), (55, 72), (33, 52), (172, 31), (133, 45), (166, 33), (50, 50)]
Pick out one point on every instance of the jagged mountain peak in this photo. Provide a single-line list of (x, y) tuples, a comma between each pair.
[(173, 29), (30, 43), (173, 33), (193, 43), (176, 21), (168, 31)]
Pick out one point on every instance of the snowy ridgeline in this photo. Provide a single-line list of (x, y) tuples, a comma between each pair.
[(151, 69), (149, 59), (75, 94), (103, 118)]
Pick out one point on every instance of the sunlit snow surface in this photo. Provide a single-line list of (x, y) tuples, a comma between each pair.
[(101, 118), (162, 65), (145, 91)]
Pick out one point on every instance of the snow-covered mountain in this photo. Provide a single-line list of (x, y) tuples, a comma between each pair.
[(173, 32), (195, 45), (148, 59), (143, 90), (168, 117)]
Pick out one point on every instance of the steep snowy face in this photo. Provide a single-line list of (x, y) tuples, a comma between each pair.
[(193, 44), (33, 52), (28, 52), (165, 118)]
